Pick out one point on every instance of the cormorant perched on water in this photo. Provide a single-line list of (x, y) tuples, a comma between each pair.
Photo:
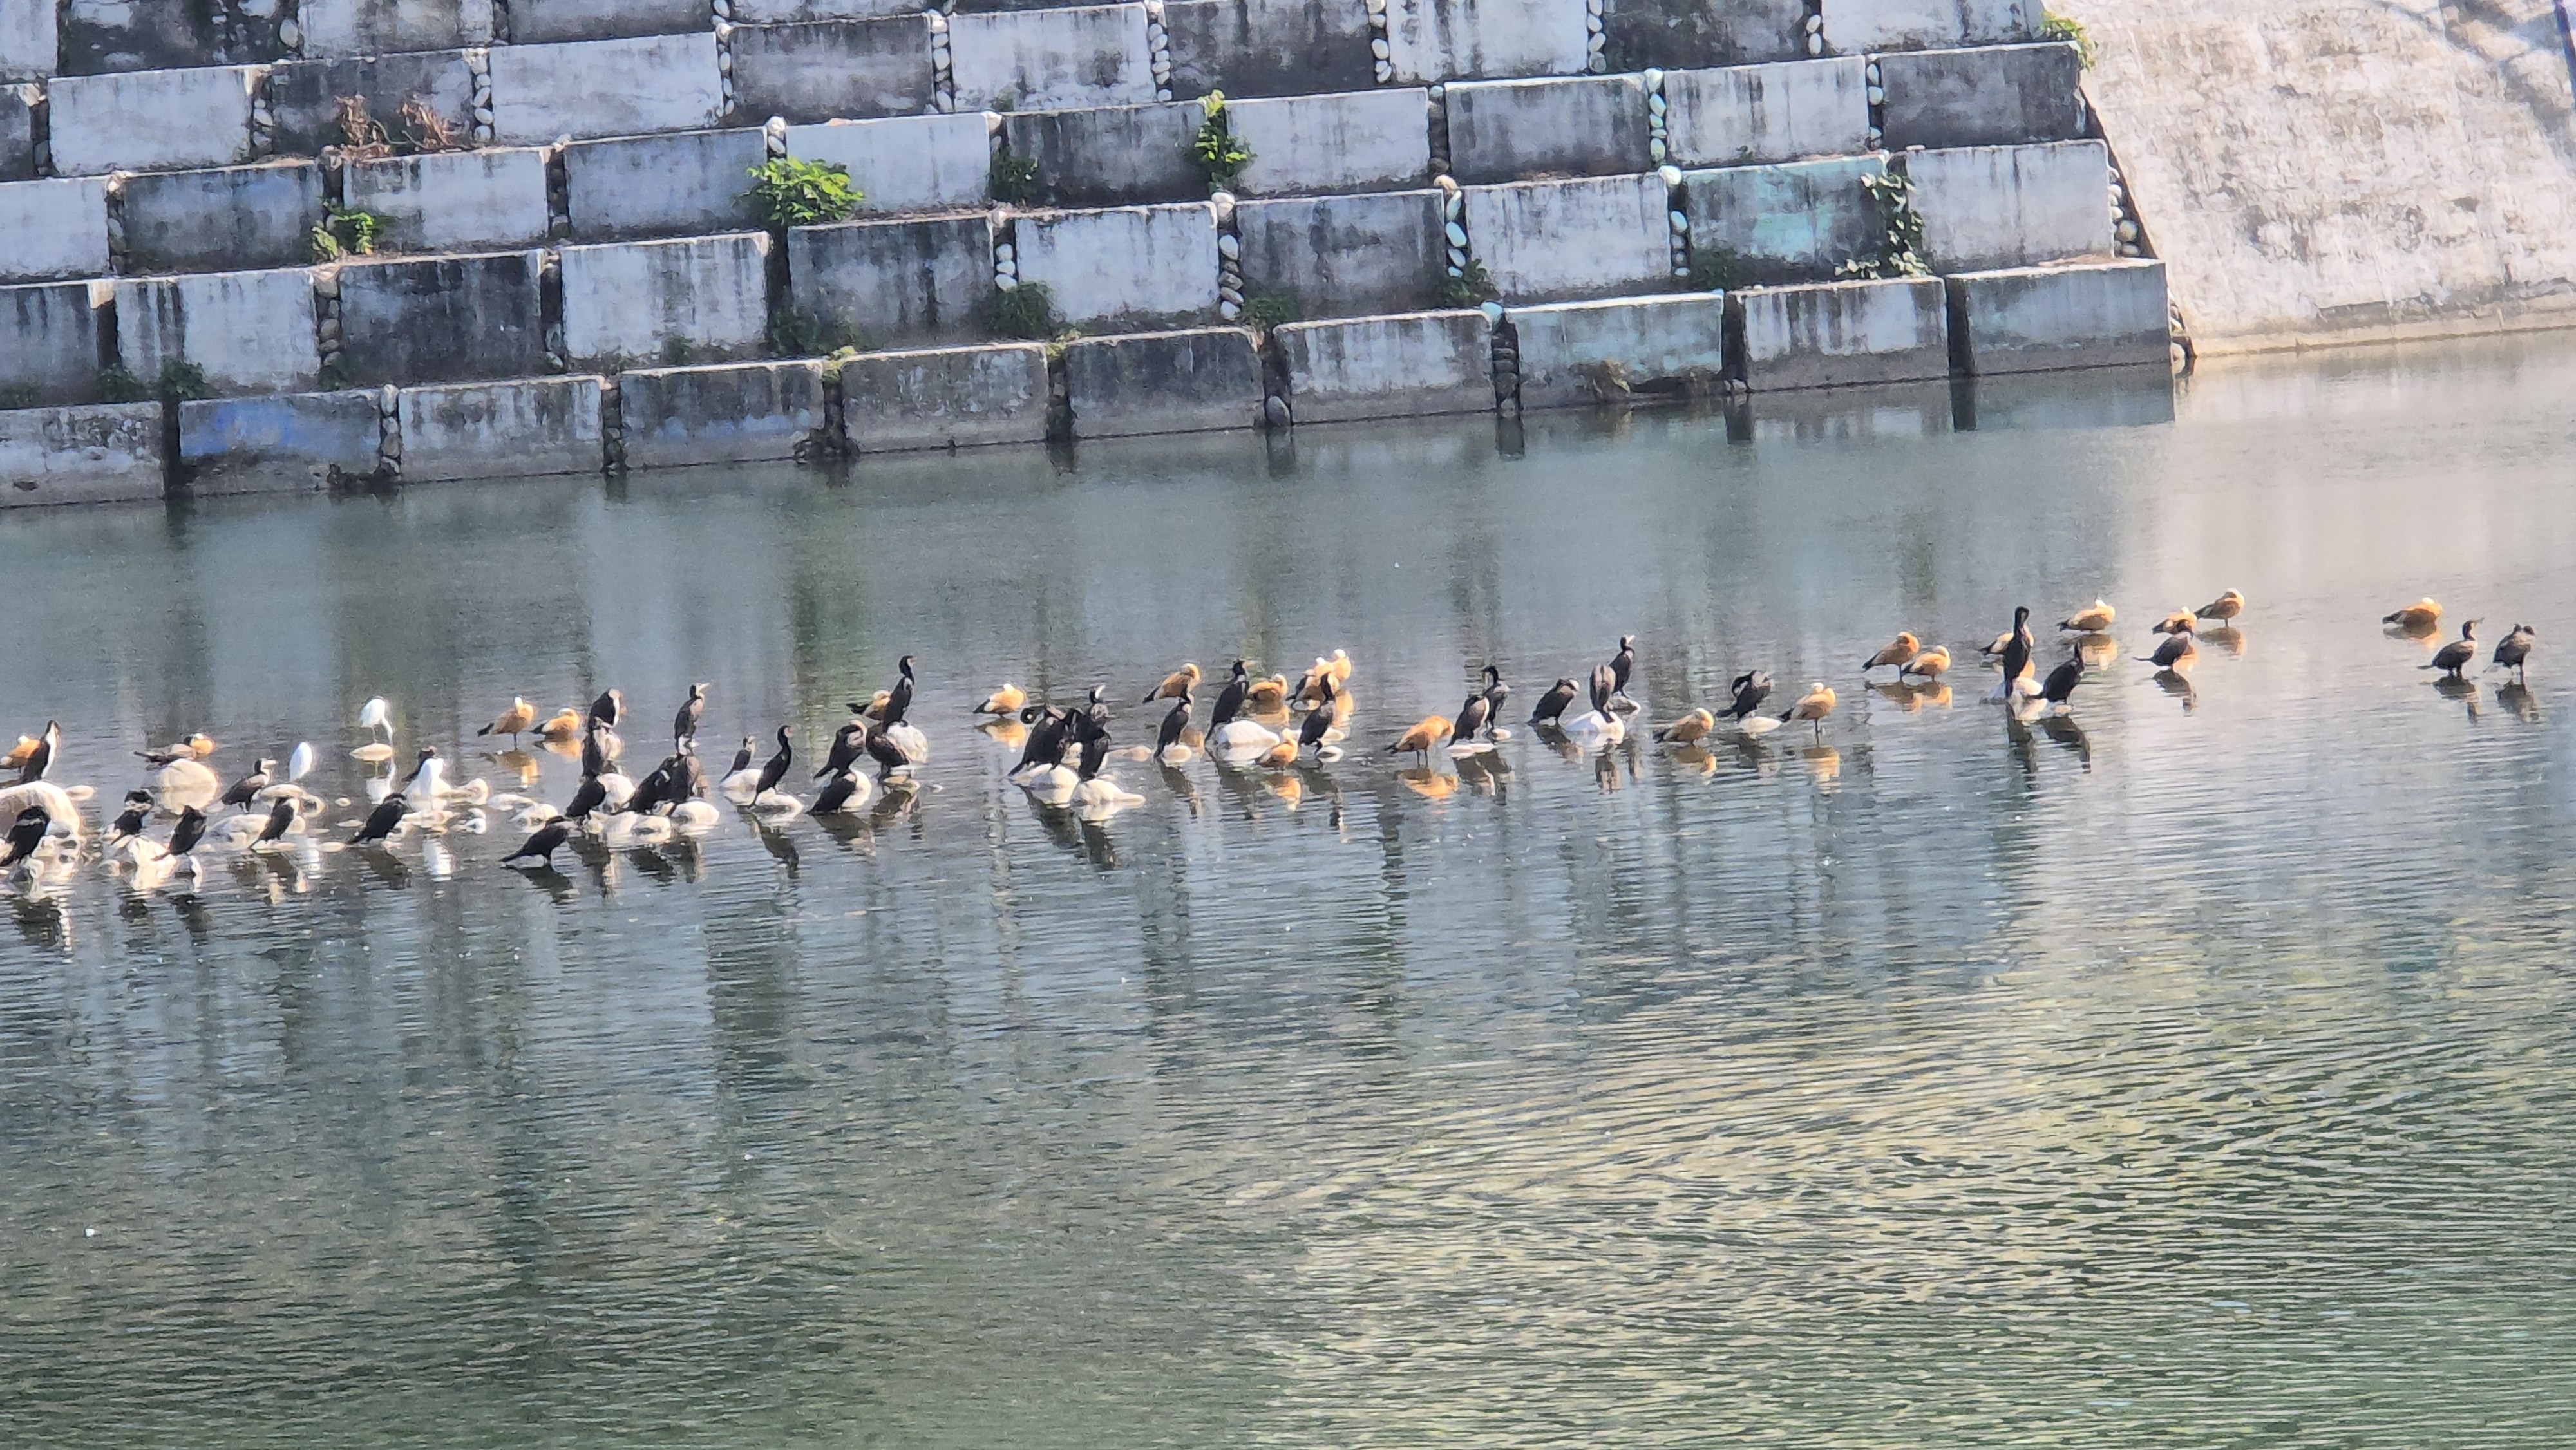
[(2456, 656), (1621, 665), (41, 759), (541, 847), (2512, 650), (684, 725), (129, 822), (1229, 701), (249, 785), (610, 704), (1551, 706), (26, 834), (1176, 722), (2060, 685), (1478, 712), (281, 818), (380, 821), (188, 832), (1750, 689)]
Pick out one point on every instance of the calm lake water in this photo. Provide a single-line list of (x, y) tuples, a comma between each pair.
[(2200, 1070)]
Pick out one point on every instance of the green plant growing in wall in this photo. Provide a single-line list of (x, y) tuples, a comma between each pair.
[(1012, 177), (1220, 154), (1472, 285), (18, 395), (1899, 252), (789, 192), (1026, 311), (180, 381), (1715, 269), (1273, 307), (794, 333), (2053, 26), (343, 233), (677, 351)]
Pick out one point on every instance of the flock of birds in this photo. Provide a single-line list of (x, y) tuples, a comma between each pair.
[(1271, 724)]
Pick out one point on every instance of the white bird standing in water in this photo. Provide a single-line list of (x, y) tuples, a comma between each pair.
[(376, 715)]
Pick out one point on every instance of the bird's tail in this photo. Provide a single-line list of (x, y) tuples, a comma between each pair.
[(486, 730)]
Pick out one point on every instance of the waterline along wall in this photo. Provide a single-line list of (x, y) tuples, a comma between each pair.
[(1450, 206)]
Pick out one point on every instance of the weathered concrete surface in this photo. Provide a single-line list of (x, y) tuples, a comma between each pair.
[(730, 413), (1111, 155), (893, 281), (18, 131), (1345, 255), (1996, 95), (1355, 141), (1267, 47), (49, 341), (678, 184), (304, 97), (1127, 266), (232, 218), (289, 443), (521, 428), (1748, 114), (605, 87), (27, 39), (1678, 33), (906, 163), (411, 320), (1852, 26), (55, 228), (1163, 382), (452, 200), (1584, 352), (252, 332), (103, 453), (1560, 126), (1410, 365), (834, 69), (151, 120), (1090, 55), (98, 37), (1435, 40), (790, 12), (1833, 334), (2012, 206), (1797, 221), (1570, 239), (384, 27), (2027, 319), (945, 397), (536, 22), (639, 301)]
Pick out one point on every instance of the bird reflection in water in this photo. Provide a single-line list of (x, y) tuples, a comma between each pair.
[(2062, 730), (2226, 639), (1428, 782), (780, 848), (2178, 685), (1824, 760), (1484, 774), (2464, 691), (2519, 700)]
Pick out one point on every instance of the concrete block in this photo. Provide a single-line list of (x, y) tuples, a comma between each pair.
[(53, 228), (893, 281), (1675, 34), (1748, 114), (1410, 365), (680, 184), (1267, 47), (1560, 126), (290, 443), (1435, 40), (227, 219), (643, 300), (2027, 319), (906, 163), (1163, 382), (252, 332), (1088, 55), (1583, 352), (1355, 141), (420, 319), (387, 27), (605, 87), (731, 413), (789, 12), (540, 22), (49, 341), (304, 98), (28, 49), (521, 428), (2136, 396), (151, 120), (1345, 255), (104, 453), (834, 69), (945, 397), (1565, 239), (18, 131), (1127, 265), (1995, 95), (453, 201), (1853, 26), (1797, 221), (2012, 206), (1111, 155), (101, 37), (1832, 334)]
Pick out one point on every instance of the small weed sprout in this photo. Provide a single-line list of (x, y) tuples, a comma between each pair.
[(1220, 155)]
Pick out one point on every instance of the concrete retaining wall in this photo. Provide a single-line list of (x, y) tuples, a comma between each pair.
[(825, 70), (1994, 96), (235, 217), (18, 131), (1857, 25), (1111, 155), (1092, 55), (1837, 333), (735, 413), (535, 22), (49, 341), (1130, 266), (433, 318), (1359, 141), (893, 282), (1738, 115), (1434, 40), (294, 442), (151, 120), (27, 39), (1678, 33), (528, 426), (1163, 382), (252, 332), (1267, 47), (2012, 206), (791, 12), (1508, 130), (382, 27), (681, 184), (1793, 222), (98, 37), (705, 297), (453, 200), (98, 454), (952, 397), (1574, 353), (605, 87), (906, 163), (304, 97), (1345, 255), (53, 229), (1411, 365), (1568, 239), (2027, 319)]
